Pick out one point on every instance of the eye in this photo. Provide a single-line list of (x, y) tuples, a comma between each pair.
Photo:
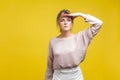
[(61, 20), (68, 19)]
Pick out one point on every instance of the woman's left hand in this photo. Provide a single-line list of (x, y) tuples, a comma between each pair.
[(74, 15)]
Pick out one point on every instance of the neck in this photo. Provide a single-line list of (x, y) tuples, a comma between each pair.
[(66, 33)]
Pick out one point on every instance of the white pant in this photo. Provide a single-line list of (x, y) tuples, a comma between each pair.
[(68, 74)]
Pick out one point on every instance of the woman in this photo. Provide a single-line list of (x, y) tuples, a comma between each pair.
[(68, 50)]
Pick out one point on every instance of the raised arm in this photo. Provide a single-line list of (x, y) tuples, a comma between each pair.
[(49, 70), (91, 31), (95, 22)]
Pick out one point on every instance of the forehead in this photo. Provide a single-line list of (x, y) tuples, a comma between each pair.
[(66, 17)]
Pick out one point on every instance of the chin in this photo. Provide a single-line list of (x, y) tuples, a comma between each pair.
[(66, 30)]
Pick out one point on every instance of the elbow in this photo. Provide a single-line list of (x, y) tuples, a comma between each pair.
[(100, 23)]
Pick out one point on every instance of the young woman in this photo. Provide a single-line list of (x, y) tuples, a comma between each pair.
[(67, 50)]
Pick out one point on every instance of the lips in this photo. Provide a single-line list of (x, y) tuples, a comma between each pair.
[(65, 26)]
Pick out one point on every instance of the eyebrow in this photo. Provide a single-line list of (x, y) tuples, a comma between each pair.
[(66, 17)]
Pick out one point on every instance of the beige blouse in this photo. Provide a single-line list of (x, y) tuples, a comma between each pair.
[(70, 52)]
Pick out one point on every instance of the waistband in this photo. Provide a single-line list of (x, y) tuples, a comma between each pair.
[(69, 69)]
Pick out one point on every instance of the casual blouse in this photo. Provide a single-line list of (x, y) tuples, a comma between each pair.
[(70, 52)]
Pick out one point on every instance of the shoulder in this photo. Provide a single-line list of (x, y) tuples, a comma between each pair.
[(80, 33), (52, 40), (83, 33)]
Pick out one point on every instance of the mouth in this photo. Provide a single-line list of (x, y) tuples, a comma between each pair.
[(65, 26)]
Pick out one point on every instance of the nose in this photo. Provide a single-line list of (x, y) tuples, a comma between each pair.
[(65, 23)]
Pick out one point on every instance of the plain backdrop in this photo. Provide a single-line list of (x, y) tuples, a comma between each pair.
[(26, 26)]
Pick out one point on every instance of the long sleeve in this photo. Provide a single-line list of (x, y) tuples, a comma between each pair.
[(90, 32), (49, 70)]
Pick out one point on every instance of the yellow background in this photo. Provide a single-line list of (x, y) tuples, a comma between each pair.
[(26, 27)]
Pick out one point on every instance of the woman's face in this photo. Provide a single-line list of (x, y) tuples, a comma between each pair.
[(65, 23)]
